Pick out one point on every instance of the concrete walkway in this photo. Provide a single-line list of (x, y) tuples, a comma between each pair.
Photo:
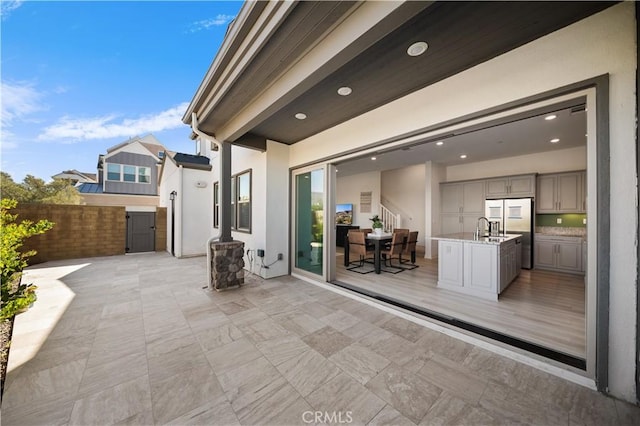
[(135, 340)]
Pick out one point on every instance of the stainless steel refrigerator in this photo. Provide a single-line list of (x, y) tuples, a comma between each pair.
[(516, 217)]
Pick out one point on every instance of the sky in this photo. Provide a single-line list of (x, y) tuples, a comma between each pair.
[(81, 76)]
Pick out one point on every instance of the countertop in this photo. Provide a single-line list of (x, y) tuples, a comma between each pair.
[(556, 231), (469, 236)]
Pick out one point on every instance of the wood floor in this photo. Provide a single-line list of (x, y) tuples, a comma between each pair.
[(541, 307)]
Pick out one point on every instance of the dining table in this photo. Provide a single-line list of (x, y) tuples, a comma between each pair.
[(378, 241)]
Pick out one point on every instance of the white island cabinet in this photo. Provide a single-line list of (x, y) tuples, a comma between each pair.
[(482, 267)]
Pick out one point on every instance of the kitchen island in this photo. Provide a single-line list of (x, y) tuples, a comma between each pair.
[(480, 266)]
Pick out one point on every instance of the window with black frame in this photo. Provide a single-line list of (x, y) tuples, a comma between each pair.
[(240, 202), (216, 205)]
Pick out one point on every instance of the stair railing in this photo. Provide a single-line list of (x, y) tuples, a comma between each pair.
[(390, 220)]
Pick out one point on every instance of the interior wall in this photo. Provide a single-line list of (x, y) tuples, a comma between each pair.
[(543, 162), (604, 43), (348, 191), (403, 192)]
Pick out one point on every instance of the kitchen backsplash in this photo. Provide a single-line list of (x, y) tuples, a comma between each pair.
[(562, 231), (569, 220)]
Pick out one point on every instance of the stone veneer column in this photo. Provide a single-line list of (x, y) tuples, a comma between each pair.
[(227, 264)]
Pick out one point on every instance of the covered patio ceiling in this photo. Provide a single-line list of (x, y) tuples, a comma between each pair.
[(254, 104)]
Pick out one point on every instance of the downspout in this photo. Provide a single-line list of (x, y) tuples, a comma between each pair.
[(216, 236)]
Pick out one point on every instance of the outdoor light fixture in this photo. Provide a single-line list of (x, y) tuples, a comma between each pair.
[(417, 48), (463, 156), (301, 116), (550, 117), (439, 143), (172, 195), (555, 140), (373, 158)]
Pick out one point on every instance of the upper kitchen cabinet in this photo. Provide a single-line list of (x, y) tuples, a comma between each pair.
[(462, 197), (561, 193), (511, 186), (461, 203)]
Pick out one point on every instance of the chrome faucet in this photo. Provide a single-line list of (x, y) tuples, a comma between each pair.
[(477, 234)]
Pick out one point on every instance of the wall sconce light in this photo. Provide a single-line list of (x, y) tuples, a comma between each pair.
[(172, 195)]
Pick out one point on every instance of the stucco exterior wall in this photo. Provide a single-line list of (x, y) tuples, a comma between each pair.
[(270, 205), (604, 43), (197, 211)]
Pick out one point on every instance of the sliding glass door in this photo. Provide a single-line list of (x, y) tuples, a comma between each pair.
[(309, 224)]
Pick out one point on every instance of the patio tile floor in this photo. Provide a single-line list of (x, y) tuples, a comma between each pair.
[(136, 340)]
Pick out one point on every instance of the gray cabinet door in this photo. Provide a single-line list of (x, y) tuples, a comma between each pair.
[(473, 198), (450, 223), (569, 257), (568, 190), (522, 186), (546, 194), (141, 232), (545, 254), (451, 198), (497, 188)]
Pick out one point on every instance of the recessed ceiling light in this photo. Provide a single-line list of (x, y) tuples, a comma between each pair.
[(554, 140), (439, 143), (417, 48), (373, 158), (301, 116), (463, 156), (551, 117), (344, 91)]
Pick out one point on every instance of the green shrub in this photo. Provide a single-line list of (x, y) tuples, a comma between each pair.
[(16, 297)]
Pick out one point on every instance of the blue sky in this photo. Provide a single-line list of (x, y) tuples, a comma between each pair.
[(81, 76)]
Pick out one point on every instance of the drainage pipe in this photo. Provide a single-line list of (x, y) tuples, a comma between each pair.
[(216, 236)]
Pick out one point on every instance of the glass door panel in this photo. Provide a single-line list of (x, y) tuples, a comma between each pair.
[(309, 221)]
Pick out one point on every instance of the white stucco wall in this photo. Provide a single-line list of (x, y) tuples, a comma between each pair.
[(277, 211), (193, 208), (171, 182), (601, 44), (270, 209), (196, 211)]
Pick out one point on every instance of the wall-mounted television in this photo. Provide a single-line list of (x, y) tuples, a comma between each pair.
[(344, 214)]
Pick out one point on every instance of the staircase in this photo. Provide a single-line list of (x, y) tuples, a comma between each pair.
[(390, 220)]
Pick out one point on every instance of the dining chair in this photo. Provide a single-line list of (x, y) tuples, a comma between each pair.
[(404, 232), (394, 250), (410, 249), (358, 247)]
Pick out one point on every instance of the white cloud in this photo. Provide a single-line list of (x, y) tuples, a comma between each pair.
[(106, 127), (205, 24), (18, 101), (8, 6)]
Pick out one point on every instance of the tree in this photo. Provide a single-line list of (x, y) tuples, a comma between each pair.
[(36, 190), (15, 295)]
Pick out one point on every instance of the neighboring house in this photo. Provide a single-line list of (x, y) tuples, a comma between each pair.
[(387, 80), (186, 191), (76, 177), (127, 175)]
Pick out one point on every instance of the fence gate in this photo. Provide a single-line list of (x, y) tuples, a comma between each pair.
[(141, 232)]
